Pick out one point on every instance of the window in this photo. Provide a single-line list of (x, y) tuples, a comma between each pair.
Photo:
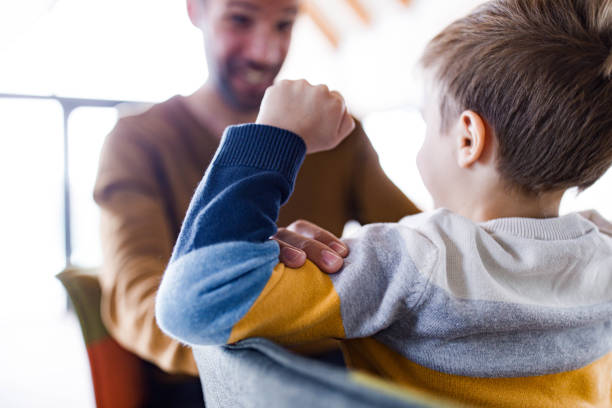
[(87, 128), (31, 175)]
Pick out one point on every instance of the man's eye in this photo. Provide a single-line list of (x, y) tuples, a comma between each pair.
[(240, 20), (284, 26)]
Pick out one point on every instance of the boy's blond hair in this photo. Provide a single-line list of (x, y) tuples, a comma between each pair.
[(540, 73)]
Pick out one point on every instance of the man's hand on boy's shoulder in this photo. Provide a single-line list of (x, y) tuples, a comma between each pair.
[(303, 239), (319, 116)]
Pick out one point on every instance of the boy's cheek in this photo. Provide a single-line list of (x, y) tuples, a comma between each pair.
[(426, 164), (421, 162)]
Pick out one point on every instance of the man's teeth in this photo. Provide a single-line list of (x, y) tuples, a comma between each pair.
[(255, 77)]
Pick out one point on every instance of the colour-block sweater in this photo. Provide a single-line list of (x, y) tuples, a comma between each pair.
[(149, 168), (510, 312)]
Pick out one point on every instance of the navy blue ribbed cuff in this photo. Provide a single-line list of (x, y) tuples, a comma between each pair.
[(263, 147)]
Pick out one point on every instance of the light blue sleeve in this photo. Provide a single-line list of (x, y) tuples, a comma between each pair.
[(223, 257)]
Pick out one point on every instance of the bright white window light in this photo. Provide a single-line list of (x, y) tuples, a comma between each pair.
[(85, 141), (113, 49), (596, 197), (397, 136), (31, 216)]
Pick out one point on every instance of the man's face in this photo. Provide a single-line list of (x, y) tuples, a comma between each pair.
[(246, 44)]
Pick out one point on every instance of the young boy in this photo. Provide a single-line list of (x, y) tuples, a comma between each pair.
[(493, 298)]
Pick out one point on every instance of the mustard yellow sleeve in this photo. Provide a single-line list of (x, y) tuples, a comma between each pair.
[(296, 306)]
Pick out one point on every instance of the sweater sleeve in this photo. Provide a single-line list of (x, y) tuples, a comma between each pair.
[(137, 242), (224, 283), (219, 274)]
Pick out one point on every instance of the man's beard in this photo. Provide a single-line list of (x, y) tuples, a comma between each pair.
[(241, 101)]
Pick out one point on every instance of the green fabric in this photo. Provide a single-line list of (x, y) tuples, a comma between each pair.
[(84, 291)]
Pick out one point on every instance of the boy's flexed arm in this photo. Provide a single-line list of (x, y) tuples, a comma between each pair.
[(223, 259)]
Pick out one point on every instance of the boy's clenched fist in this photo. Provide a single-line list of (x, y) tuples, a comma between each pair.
[(316, 114)]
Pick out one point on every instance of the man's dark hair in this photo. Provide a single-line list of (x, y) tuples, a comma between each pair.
[(540, 73)]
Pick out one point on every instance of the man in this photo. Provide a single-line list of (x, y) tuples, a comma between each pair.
[(151, 164)]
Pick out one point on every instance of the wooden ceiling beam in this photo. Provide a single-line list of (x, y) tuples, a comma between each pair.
[(361, 12), (327, 28), (317, 17)]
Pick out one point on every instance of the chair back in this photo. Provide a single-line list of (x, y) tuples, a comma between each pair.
[(259, 373), (118, 376)]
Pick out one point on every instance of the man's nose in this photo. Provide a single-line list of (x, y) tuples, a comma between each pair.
[(265, 47)]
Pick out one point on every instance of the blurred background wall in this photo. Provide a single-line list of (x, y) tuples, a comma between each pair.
[(147, 51)]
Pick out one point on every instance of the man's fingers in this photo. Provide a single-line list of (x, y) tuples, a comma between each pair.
[(325, 257), (291, 256), (310, 230)]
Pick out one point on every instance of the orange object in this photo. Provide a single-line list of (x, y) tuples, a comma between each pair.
[(118, 376)]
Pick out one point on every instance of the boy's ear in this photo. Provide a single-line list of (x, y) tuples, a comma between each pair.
[(194, 10), (472, 138)]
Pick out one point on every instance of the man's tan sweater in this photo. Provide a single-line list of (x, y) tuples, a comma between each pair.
[(151, 164)]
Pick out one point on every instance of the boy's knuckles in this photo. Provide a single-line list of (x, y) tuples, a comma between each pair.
[(300, 84)]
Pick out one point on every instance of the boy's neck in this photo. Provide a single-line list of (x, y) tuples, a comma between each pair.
[(504, 204)]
